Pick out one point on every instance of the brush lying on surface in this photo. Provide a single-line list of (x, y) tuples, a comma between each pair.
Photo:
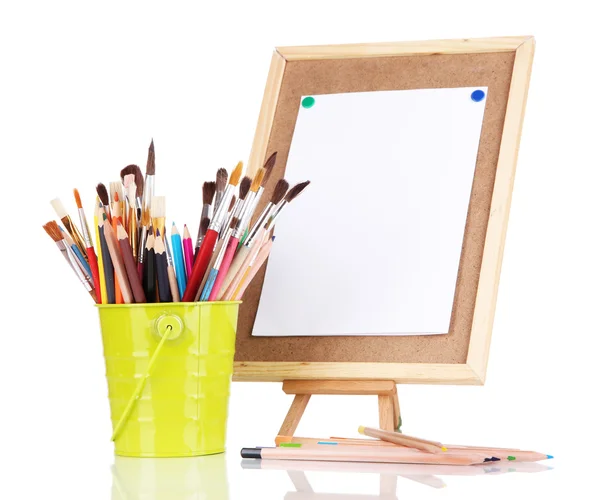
[(135, 262)]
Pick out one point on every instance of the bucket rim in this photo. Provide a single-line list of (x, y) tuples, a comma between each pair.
[(169, 304)]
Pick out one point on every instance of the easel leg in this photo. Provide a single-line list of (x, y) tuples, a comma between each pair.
[(386, 413), (292, 419), (397, 415)]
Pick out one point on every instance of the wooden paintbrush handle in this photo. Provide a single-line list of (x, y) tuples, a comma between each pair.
[(216, 292), (94, 268)]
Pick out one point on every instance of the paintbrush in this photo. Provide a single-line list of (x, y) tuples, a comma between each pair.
[(83, 264), (269, 167), (132, 222), (71, 228), (220, 186), (104, 198), (210, 239), (158, 213), (208, 193), (245, 184), (238, 230), (149, 181), (252, 246), (139, 187), (55, 233), (89, 247), (281, 188), (145, 222)]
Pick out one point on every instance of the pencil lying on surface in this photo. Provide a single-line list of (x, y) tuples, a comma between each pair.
[(364, 454), (401, 439)]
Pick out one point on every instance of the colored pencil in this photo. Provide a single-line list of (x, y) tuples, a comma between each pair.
[(162, 273), (254, 267), (178, 259), (109, 270), (119, 264), (149, 281), (397, 438), (363, 454), (116, 217), (130, 267), (188, 252), (173, 286), (103, 296)]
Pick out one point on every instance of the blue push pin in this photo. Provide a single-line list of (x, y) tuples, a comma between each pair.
[(477, 95)]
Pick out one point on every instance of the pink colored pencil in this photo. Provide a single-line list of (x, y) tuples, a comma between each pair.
[(188, 251)]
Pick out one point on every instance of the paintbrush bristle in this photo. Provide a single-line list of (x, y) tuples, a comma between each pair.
[(208, 192), (296, 190), (116, 191), (245, 187), (130, 189), (53, 230), (231, 203), (58, 208), (151, 163), (102, 193), (268, 166), (281, 188), (158, 207), (77, 198), (139, 178), (221, 180), (258, 178), (204, 223), (236, 175)]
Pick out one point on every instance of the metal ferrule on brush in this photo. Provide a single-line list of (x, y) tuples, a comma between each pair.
[(76, 265), (259, 222), (234, 212), (148, 193), (84, 229), (142, 244), (221, 212), (275, 214), (75, 234), (245, 216)]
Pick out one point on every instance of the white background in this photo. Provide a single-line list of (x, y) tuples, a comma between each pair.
[(82, 89)]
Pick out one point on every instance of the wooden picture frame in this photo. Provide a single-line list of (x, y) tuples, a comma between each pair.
[(507, 57)]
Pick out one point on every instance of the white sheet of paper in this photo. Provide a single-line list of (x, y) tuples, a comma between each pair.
[(372, 246)]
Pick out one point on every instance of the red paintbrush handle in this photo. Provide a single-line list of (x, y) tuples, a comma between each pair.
[(200, 265), (215, 293), (93, 261)]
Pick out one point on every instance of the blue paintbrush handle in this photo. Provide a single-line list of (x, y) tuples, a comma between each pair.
[(209, 284), (86, 267)]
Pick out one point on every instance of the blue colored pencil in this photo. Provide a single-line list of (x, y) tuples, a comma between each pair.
[(178, 259)]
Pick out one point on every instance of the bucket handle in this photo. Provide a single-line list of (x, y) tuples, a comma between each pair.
[(141, 384)]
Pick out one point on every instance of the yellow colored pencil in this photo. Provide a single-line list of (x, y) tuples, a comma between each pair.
[(104, 297)]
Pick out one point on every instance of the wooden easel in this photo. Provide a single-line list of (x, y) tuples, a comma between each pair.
[(385, 390)]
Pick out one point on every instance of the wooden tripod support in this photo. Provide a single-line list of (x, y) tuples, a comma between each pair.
[(385, 390)]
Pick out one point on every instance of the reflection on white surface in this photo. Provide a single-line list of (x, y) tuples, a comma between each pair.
[(170, 478), (388, 475)]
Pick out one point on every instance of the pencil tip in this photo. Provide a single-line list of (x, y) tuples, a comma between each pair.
[(444, 448), (549, 456), (511, 458), (158, 232)]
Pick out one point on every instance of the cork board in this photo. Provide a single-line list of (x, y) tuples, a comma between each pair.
[(297, 72)]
